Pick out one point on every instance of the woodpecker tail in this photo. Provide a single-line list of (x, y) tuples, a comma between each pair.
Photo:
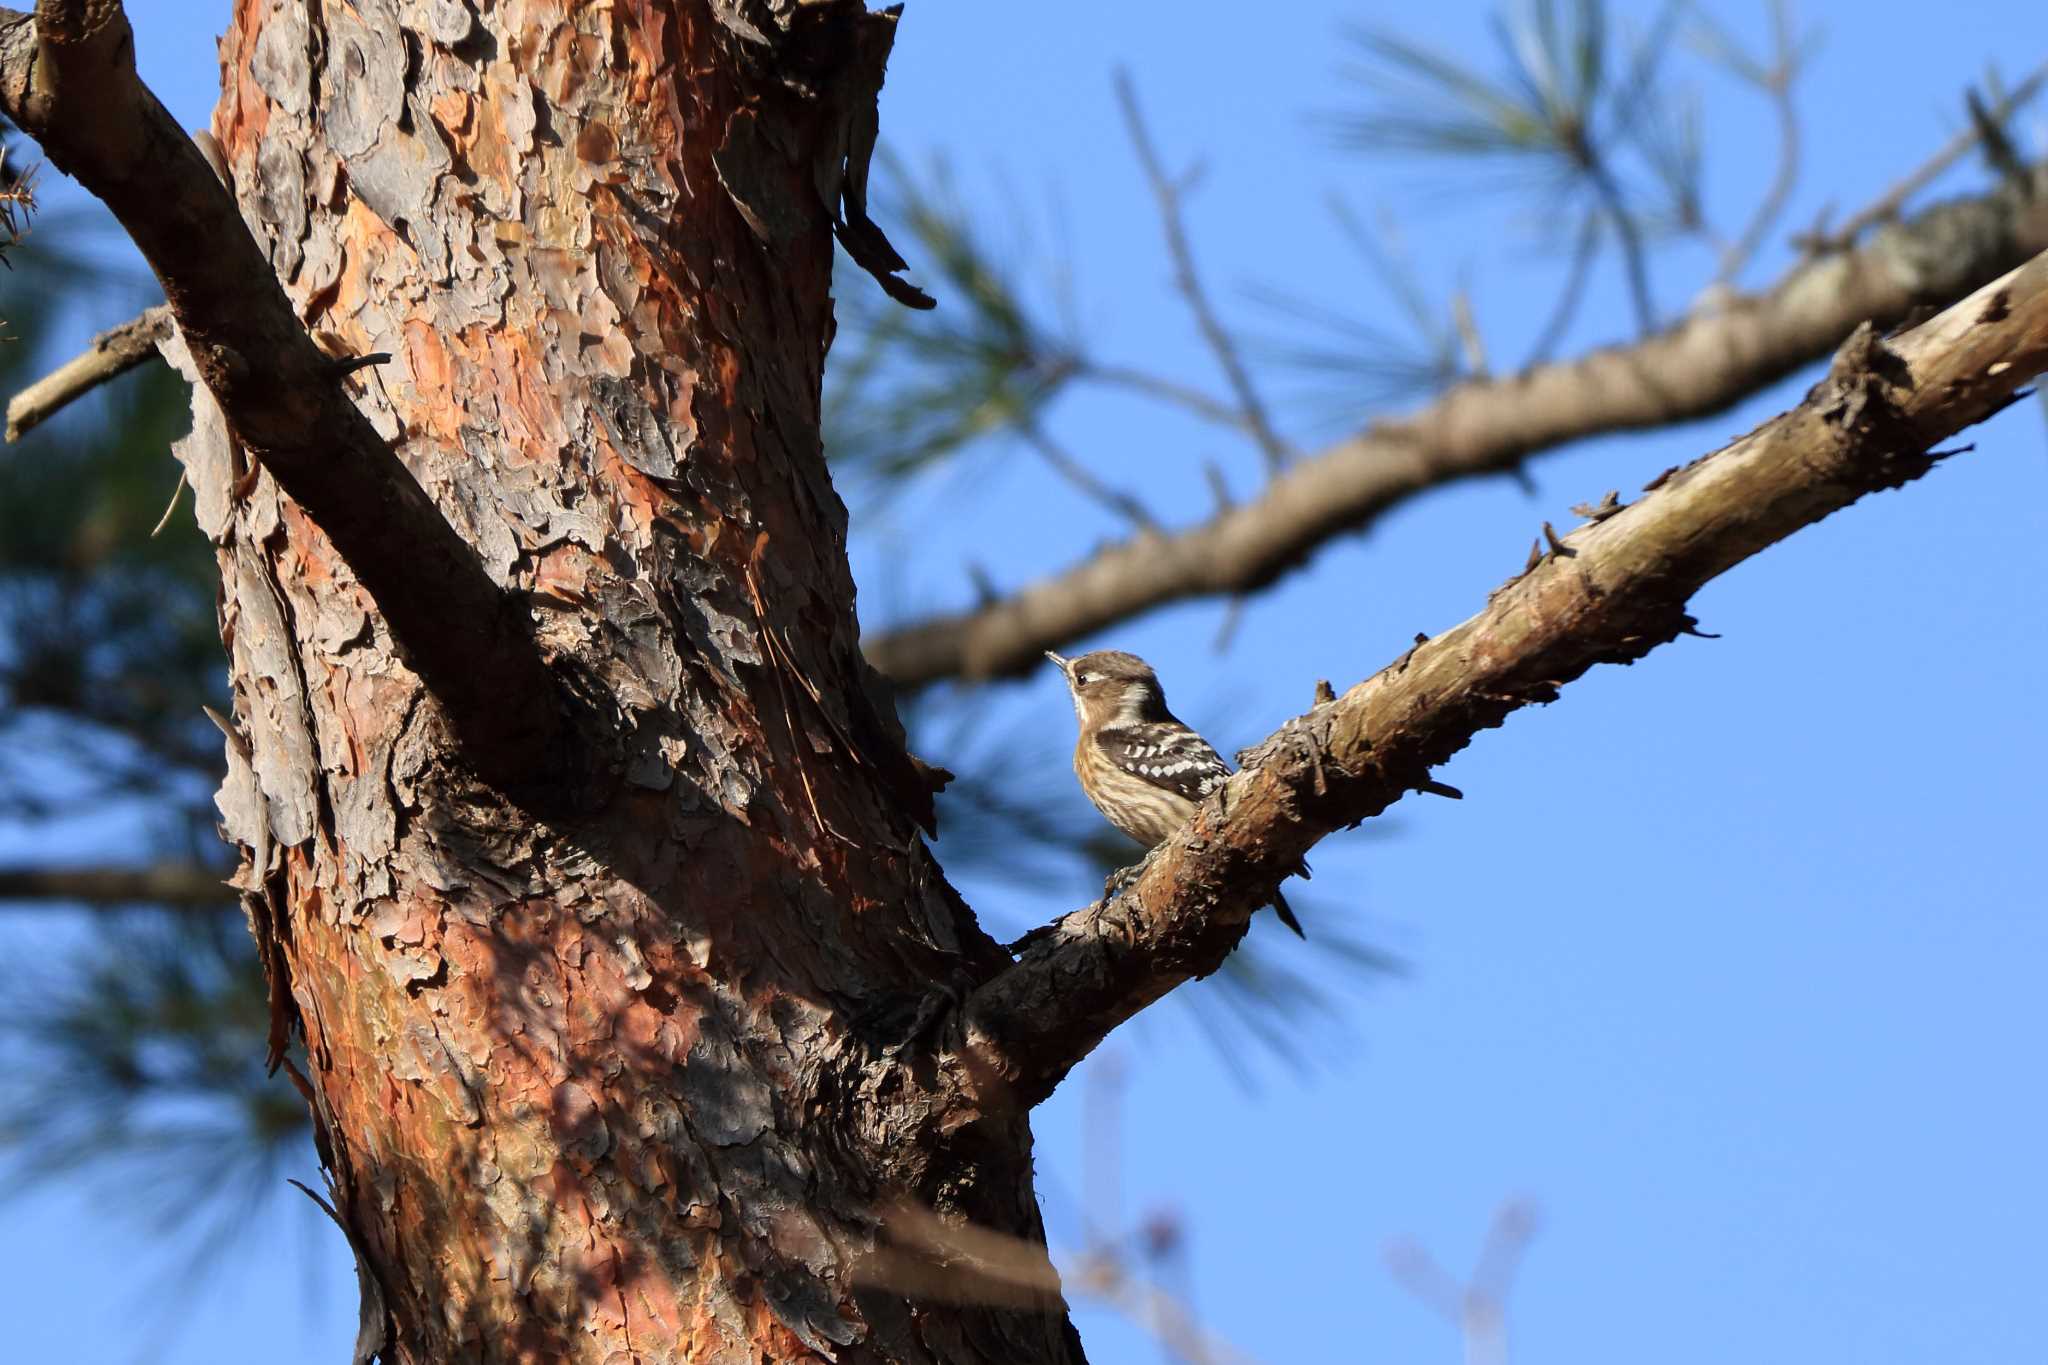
[(1286, 913)]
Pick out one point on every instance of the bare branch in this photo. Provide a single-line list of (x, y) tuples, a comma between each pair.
[(1165, 390), (111, 354), (1888, 205), (1478, 1307), (1618, 592), (1168, 193), (1776, 81), (180, 886), (1698, 366), (932, 1257), (1083, 479), (1153, 1309), (67, 77)]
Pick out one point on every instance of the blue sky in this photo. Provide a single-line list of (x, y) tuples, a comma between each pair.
[(1729, 961)]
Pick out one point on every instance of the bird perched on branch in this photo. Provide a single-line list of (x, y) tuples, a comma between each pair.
[(1144, 770)]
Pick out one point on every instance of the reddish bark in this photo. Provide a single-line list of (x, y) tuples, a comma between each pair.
[(601, 1083)]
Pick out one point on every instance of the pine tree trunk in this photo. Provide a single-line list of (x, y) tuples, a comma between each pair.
[(603, 1073)]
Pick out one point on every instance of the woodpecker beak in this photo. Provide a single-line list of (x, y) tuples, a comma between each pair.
[(1061, 664)]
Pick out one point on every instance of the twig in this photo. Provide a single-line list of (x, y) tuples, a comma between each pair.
[(1156, 386), (1469, 340), (1477, 1307), (933, 1257), (1776, 81), (1154, 1310), (1168, 194), (1567, 306), (1219, 486), (169, 507), (1226, 629), (1083, 479), (111, 354), (178, 886), (1888, 205)]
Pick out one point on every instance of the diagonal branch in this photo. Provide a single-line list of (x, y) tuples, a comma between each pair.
[(108, 356), (1189, 282), (1609, 592), (1083, 478), (1888, 204), (67, 77), (1489, 426), (179, 886)]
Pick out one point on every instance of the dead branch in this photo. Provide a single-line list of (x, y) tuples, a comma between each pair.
[(1887, 206), (1873, 423), (1188, 281), (1489, 426), (1070, 468), (67, 77), (1776, 81), (110, 355), (931, 1257), (1477, 1307), (180, 886)]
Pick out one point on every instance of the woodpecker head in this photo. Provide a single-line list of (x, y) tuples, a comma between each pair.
[(1111, 687)]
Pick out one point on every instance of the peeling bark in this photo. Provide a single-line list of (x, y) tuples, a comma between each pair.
[(661, 1065), (632, 1071)]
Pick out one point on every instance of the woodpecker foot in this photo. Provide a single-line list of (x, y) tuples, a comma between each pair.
[(1119, 881)]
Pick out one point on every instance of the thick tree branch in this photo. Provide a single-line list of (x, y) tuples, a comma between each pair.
[(1488, 426), (181, 886), (110, 355), (1609, 592), (73, 87)]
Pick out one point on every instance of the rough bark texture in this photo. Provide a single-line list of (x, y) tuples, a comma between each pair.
[(1608, 592), (600, 1076), (69, 79), (1717, 356), (658, 1063)]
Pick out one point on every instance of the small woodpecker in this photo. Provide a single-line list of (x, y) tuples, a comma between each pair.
[(1144, 770)]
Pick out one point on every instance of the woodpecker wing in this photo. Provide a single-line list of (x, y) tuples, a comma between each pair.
[(1169, 756)]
